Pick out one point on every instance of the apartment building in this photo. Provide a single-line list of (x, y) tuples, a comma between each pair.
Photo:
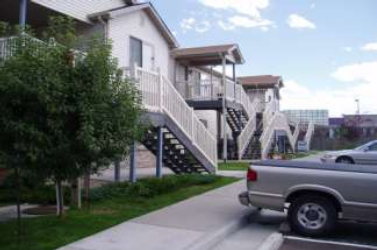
[(195, 111)]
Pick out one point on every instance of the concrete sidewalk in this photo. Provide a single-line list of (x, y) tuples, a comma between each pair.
[(185, 225)]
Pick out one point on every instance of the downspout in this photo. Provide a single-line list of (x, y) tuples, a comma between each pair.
[(105, 27)]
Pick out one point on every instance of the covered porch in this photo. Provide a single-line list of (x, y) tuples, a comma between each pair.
[(31, 14), (201, 75)]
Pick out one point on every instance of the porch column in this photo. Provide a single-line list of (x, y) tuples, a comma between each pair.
[(117, 170), (132, 176), (225, 142), (234, 72), (187, 87), (160, 155), (23, 11)]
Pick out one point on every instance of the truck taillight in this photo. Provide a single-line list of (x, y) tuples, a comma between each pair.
[(252, 175)]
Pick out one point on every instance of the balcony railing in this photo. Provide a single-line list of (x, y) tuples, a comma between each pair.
[(9, 46), (204, 90)]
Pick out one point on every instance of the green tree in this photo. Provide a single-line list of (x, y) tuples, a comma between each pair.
[(61, 117)]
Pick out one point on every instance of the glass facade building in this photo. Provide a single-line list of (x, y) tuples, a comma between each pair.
[(318, 117)]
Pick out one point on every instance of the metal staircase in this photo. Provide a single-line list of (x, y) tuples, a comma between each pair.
[(176, 134), (175, 155)]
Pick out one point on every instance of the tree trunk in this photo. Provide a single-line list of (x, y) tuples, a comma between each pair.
[(59, 199), (18, 201), (87, 190), (76, 193)]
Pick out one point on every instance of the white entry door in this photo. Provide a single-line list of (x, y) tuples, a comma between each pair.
[(148, 57)]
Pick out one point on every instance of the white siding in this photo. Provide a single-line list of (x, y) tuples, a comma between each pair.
[(138, 25), (80, 9)]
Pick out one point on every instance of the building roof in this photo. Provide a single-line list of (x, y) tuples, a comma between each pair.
[(263, 81), (209, 55), (151, 12)]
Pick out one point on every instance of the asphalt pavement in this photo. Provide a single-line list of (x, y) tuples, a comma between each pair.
[(261, 224)]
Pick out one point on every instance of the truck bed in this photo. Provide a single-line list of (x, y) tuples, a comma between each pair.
[(314, 165)]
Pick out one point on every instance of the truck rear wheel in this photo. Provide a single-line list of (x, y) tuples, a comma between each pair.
[(312, 215)]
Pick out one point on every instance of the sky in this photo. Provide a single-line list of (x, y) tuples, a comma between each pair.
[(325, 50)]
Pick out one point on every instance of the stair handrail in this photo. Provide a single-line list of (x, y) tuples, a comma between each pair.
[(249, 129), (160, 96), (267, 136), (309, 134), (278, 121)]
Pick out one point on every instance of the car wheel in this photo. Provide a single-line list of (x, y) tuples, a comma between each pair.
[(312, 215), (345, 160)]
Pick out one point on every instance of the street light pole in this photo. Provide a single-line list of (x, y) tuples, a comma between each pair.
[(358, 106)]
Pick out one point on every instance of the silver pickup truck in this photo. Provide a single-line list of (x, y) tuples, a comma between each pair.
[(315, 195)]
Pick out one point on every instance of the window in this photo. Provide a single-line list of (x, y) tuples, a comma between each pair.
[(373, 147), (136, 52)]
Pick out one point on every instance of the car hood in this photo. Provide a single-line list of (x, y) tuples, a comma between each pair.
[(341, 152)]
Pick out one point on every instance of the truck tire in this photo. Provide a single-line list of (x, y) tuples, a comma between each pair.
[(312, 215)]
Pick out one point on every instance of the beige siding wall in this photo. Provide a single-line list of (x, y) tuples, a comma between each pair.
[(80, 9), (138, 25)]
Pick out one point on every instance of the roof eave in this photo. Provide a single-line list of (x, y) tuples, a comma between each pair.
[(173, 43)]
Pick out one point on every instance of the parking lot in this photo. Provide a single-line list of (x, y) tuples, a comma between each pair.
[(299, 244)]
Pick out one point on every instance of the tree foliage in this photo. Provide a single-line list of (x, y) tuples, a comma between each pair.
[(62, 117)]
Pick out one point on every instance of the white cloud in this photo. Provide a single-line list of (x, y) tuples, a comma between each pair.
[(360, 72), (226, 25), (188, 23), (193, 24), (348, 49), (370, 47), (337, 100), (299, 22), (247, 7), (245, 22), (203, 26)]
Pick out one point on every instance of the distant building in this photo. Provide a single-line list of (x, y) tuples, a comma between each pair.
[(361, 121), (336, 122), (318, 117)]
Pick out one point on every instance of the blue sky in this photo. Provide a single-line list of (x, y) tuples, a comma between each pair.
[(326, 50)]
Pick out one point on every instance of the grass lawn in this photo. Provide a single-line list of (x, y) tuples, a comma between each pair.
[(234, 166), (111, 205), (299, 155), (242, 166)]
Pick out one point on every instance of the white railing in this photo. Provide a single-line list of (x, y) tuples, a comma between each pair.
[(268, 113), (212, 89), (230, 90), (267, 136), (309, 134), (10, 45), (203, 89), (248, 131), (278, 121), (159, 95), (7, 47)]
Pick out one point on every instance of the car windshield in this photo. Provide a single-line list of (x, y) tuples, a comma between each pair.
[(365, 146)]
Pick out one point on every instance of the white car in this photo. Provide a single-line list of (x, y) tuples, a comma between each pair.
[(364, 155)]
